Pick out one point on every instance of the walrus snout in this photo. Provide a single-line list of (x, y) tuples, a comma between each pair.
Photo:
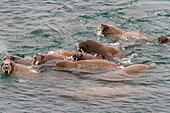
[(77, 56), (6, 67), (74, 58), (102, 29), (162, 39), (6, 70), (38, 59), (82, 46)]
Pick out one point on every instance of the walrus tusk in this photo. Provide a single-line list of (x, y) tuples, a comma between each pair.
[(4, 72), (36, 63), (72, 59), (159, 42)]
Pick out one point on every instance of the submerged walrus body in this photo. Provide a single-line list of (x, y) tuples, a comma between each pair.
[(101, 93), (89, 65), (127, 73)]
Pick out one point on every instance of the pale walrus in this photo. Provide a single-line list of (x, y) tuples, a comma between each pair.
[(110, 30), (94, 47), (163, 39), (101, 93), (126, 73), (40, 58), (9, 67), (87, 65)]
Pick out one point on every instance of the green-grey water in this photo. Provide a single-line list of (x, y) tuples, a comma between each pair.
[(28, 27)]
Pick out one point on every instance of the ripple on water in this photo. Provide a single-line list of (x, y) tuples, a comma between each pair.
[(29, 27)]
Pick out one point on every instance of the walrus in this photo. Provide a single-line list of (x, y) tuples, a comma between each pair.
[(136, 68), (109, 30), (83, 56), (163, 39), (9, 67), (88, 65), (105, 29), (101, 93), (25, 61), (94, 47), (124, 74), (40, 58)]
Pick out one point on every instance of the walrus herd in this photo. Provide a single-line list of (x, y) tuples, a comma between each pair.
[(90, 56)]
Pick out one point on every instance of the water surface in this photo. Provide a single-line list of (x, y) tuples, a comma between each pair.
[(28, 27)]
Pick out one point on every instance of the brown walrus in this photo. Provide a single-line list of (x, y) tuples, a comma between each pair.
[(42, 58), (110, 30), (9, 67), (163, 39), (83, 56), (88, 65), (19, 60), (94, 47)]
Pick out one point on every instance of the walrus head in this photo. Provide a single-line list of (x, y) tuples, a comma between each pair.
[(39, 59), (7, 66), (77, 56), (9, 57), (162, 39), (102, 29), (84, 46)]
